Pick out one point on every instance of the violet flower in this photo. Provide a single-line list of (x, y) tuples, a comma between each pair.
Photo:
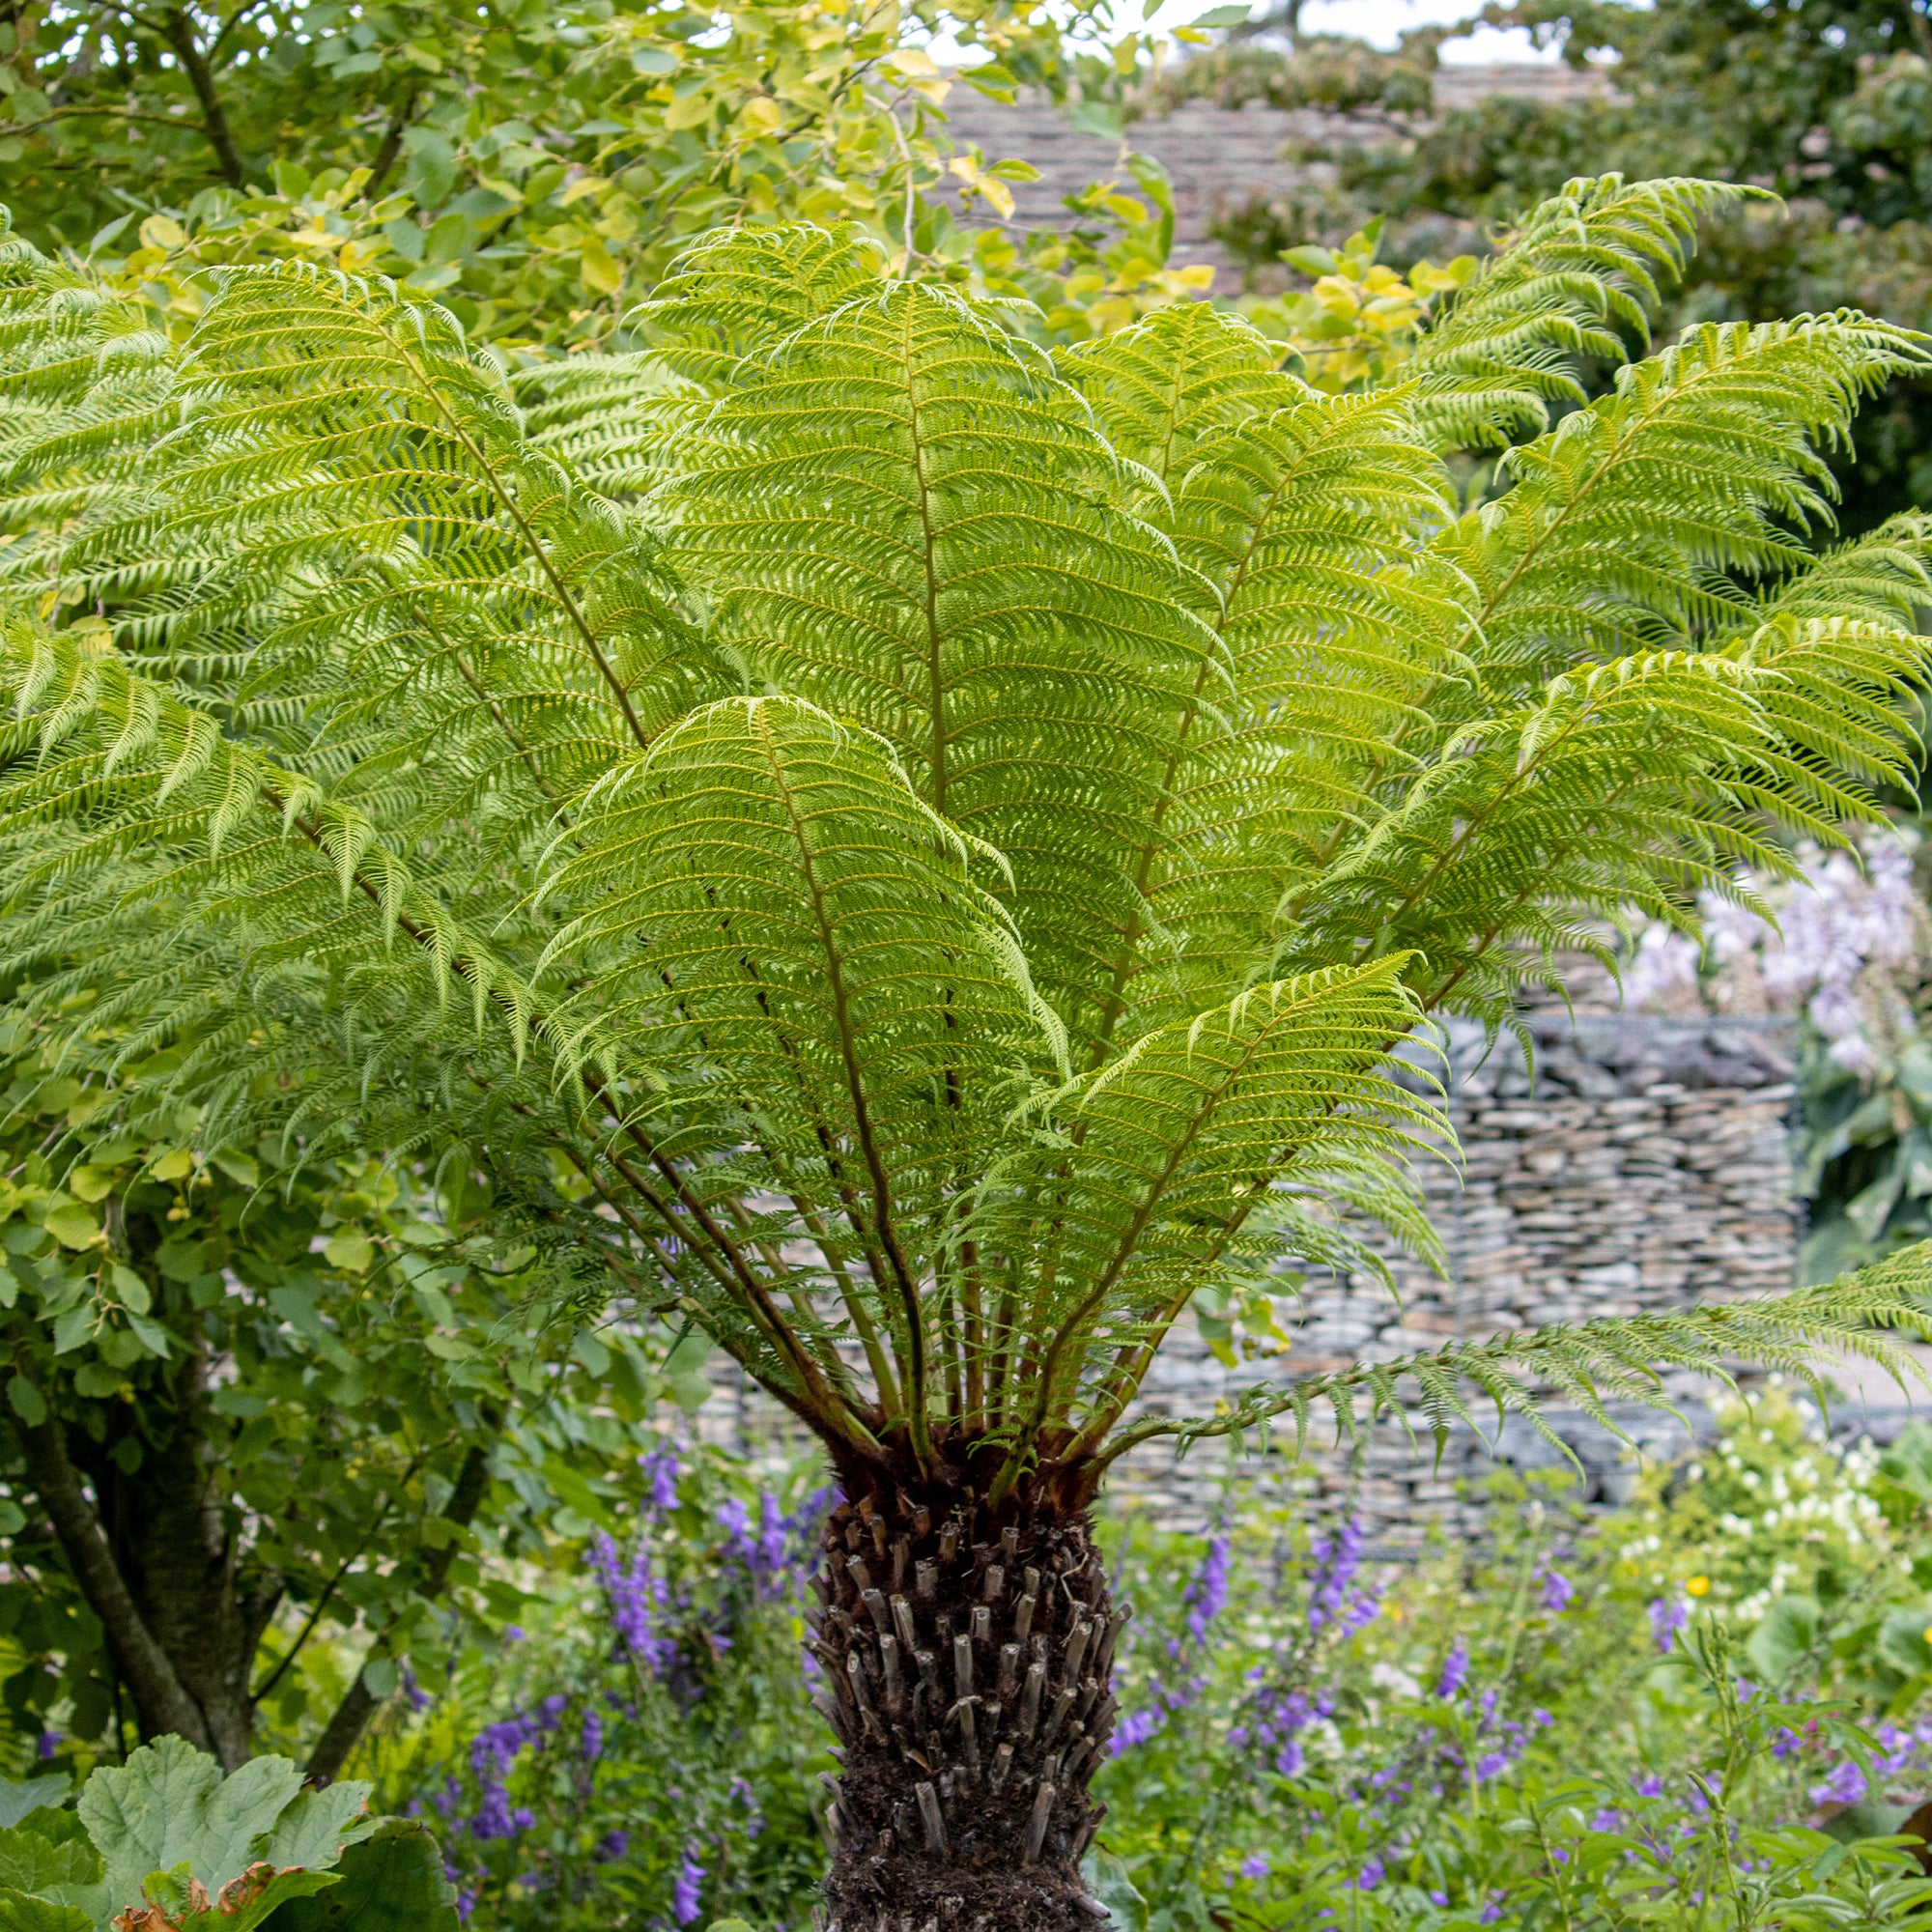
[(1665, 1621), (1207, 1594), (635, 1598), (1455, 1670), (661, 1472), (686, 1890), (593, 1736), (1844, 1785), (1557, 1592), (1255, 1865)]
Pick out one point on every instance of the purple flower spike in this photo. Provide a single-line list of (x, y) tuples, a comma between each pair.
[(1372, 1874), (661, 1469), (1337, 1558), (1455, 1670), (1208, 1593), (48, 1744), (593, 1736), (1255, 1865), (1557, 1592), (1666, 1620), (685, 1892)]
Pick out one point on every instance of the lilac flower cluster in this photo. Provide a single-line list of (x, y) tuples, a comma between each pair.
[(779, 1556), (1666, 1619), (1899, 1750), (638, 1601), (1204, 1598), (1330, 1598), (1273, 1723)]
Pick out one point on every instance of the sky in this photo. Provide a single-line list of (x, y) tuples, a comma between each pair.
[(1380, 21)]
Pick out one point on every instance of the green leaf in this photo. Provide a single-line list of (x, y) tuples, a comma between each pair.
[(21, 1913), (1222, 16), (73, 1226), (1106, 1879), (1100, 119), (1908, 1462), (26, 1401), (1905, 1641), (314, 1829), (169, 1804), (30, 1863), (391, 1882), (1784, 1635)]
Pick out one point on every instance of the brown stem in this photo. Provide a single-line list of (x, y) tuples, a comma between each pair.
[(359, 1702), (179, 32), (392, 146)]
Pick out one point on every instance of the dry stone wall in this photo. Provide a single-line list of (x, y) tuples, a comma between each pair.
[(1645, 1165)]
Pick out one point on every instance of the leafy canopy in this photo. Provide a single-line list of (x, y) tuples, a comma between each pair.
[(944, 840)]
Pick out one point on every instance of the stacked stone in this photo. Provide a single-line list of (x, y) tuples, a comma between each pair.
[(1644, 1165)]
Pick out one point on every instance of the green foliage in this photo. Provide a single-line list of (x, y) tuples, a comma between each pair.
[(1423, 1762), (540, 163), (1032, 857), (163, 1842), (383, 1331), (651, 1714)]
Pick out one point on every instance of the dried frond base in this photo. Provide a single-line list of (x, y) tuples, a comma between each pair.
[(968, 1668)]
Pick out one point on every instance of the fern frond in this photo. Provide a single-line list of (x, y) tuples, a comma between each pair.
[(905, 516), (1631, 522), (1577, 280), (733, 293), (1591, 1363)]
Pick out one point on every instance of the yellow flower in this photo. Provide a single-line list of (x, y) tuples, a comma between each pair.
[(1698, 1586)]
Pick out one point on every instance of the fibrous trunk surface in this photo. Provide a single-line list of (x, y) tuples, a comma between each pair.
[(968, 1680)]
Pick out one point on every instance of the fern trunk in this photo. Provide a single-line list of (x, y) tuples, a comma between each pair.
[(968, 1658)]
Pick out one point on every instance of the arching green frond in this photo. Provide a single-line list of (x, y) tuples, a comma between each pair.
[(610, 419), (906, 518), (1307, 522), (1181, 1138), (1178, 375), (1639, 781), (734, 293), (1594, 1362), (1884, 577), (1578, 279), (1630, 522)]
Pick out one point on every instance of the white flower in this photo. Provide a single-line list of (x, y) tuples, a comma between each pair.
[(1390, 1677)]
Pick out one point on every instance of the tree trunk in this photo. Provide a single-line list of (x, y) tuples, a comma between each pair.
[(968, 1665)]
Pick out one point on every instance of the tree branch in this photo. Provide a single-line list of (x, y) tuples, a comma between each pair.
[(178, 30), (392, 146), (160, 1703), (358, 1704)]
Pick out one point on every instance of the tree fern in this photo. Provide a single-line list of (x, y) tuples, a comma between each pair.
[(913, 854)]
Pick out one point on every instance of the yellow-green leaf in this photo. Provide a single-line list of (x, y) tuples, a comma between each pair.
[(599, 272), (73, 1226), (352, 1250)]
